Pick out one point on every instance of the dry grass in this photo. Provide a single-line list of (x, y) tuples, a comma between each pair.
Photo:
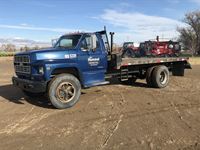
[(194, 60), (3, 59)]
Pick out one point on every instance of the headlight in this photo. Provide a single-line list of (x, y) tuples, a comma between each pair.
[(41, 70)]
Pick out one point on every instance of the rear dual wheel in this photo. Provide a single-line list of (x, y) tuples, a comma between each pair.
[(157, 77)]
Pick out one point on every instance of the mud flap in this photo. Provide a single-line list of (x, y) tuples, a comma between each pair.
[(188, 65)]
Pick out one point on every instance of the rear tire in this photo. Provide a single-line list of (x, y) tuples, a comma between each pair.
[(160, 77), (64, 91)]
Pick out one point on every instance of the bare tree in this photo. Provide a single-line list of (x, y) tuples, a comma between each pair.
[(3, 47), (8, 48), (190, 35), (36, 47), (21, 49), (26, 48)]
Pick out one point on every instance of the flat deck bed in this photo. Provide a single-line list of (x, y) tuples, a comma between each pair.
[(145, 60)]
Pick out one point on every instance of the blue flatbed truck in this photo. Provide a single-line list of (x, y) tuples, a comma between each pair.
[(83, 60)]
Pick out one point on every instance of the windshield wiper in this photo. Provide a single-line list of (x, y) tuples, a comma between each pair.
[(61, 46), (65, 47)]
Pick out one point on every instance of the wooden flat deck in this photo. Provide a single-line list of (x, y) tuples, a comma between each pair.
[(143, 61)]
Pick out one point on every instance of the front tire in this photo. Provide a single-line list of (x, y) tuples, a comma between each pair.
[(64, 91)]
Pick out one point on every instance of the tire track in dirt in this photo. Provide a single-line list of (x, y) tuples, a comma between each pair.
[(115, 125), (29, 120), (145, 112)]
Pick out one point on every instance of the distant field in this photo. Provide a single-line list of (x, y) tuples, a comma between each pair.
[(194, 60)]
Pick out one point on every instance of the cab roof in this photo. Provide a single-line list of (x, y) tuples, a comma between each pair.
[(81, 33)]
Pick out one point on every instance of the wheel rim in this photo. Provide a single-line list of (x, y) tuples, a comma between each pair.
[(65, 92), (163, 77)]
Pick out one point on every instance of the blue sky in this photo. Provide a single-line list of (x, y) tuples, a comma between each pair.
[(133, 20)]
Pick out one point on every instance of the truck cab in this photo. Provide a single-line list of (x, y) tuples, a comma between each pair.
[(83, 55)]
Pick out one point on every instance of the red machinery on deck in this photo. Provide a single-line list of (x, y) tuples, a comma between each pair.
[(160, 48), (154, 48), (129, 50)]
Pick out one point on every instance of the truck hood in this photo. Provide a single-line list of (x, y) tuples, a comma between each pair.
[(40, 51), (50, 53)]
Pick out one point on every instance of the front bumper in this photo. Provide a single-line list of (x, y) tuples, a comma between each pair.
[(28, 85)]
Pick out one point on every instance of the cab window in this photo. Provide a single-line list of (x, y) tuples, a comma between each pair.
[(68, 41)]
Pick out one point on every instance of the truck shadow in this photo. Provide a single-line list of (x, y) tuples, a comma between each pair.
[(15, 95), (136, 84)]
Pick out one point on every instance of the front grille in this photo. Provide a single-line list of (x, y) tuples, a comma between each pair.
[(22, 59), (22, 64)]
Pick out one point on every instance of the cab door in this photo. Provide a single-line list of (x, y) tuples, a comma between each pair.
[(92, 60)]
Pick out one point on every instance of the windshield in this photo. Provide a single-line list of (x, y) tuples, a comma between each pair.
[(68, 41)]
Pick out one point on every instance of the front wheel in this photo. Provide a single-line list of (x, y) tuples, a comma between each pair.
[(64, 91)]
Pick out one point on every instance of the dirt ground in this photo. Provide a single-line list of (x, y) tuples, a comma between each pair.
[(107, 117)]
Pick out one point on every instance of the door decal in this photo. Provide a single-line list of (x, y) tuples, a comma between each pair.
[(93, 61)]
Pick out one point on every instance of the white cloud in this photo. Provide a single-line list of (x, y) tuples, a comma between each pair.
[(124, 4), (40, 4), (174, 1), (23, 24), (196, 1), (140, 27), (26, 27)]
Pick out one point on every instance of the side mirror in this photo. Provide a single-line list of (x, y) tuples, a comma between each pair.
[(53, 42), (84, 48), (90, 43), (93, 42)]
